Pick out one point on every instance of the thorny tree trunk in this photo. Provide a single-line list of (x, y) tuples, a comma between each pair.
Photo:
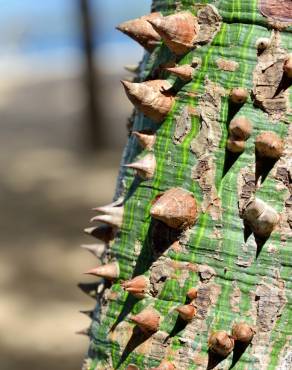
[(211, 255)]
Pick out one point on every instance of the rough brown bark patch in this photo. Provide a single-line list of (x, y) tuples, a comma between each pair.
[(183, 124), (271, 300), (207, 297), (210, 22), (283, 175), (227, 65), (204, 144), (204, 173), (280, 10), (269, 90), (246, 187), (235, 297), (165, 268)]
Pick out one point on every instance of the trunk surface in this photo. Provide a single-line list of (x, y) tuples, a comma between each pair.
[(239, 273)]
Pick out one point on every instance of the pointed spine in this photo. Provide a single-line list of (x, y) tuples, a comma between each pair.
[(242, 332), (133, 68), (238, 95), (269, 145), (129, 78), (186, 312), (105, 233), (145, 167), (90, 289), (287, 67), (109, 215), (138, 286), (184, 72), (179, 31), (177, 208), (221, 343), (235, 146), (146, 141), (262, 44), (96, 249), (110, 271), (85, 331), (261, 217), (192, 293), (147, 320), (151, 98), (240, 129), (140, 30), (88, 313)]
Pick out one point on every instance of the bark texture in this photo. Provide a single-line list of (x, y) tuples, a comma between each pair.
[(239, 273)]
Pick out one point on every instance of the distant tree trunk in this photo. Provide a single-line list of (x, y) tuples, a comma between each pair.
[(202, 216), (90, 77)]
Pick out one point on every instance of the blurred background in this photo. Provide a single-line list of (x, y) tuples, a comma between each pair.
[(63, 120)]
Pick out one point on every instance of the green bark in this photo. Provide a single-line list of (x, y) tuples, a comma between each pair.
[(251, 280)]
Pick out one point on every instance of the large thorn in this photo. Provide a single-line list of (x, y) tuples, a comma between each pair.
[(138, 286), (240, 128), (179, 31), (235, 146), (110, 215), (186, 311), (106, 233), (96, 249), (133, 68), (238, 95), (88, 313), (141, 31), (269, 145), (262, 44), (145, 167), (146, 141), (242, 332), (110, 271), (85, 331), (221, 343), (261, 217), (90, 289), (151, 98), (287, 67), (184, 72), (147, 320), (192, 293), (177, 208)]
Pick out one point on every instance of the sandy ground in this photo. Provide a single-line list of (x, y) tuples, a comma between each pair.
[(49, 182)]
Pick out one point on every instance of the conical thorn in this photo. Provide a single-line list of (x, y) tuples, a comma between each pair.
[(96, 249), (179, 31), (141, 31), (150, 97), (106, 233), (145, 167), (110, 271), (110, 215), (146, 141), (147, 320)]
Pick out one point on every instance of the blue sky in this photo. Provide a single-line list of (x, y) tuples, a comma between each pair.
[(43, 36), (113, 12), (30, 25)]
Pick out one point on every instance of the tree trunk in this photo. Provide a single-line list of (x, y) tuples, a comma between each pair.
[(202, 218)]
